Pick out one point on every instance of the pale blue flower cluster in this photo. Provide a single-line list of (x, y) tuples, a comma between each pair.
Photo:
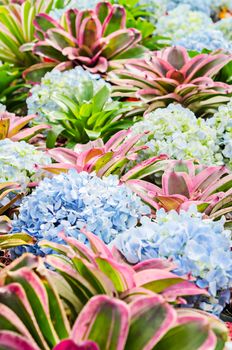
[(208, 38), (72, 4), (198, 246), (18, 162), (196, 5), (225, 25), (68, 202), (206, 6), (176, 131), (181, 22), (70, 83), (222, 123)]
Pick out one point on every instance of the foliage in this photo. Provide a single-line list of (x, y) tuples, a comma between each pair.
[(198, 246), (11, 127), (104, 159), (78, 106), (13, 90), (10, 193), (61, 6), (183, 183), (101, 36), (142, 16), (17, 30), (170, 75), (70, 201), (34, 316)]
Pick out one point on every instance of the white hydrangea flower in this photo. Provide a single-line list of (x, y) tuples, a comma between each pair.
[(18, 162), (225, 25), (176, 131), (222, 123)]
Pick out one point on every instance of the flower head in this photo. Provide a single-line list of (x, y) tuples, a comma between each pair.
[(209, 38), (18, 162), (68, 202), (176, 131), (198, 246), (197, 5), (176, 25), (221, 122)]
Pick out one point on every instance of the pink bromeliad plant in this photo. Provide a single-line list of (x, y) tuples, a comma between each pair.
[(90, 300), (104, 159), (170, 75), (159, 181), (13, 127), (184, 183), (90, 38)]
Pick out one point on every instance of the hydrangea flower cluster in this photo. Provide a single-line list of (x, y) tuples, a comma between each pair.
[(225, 25), (72, 4), (208, 38), (176, 25), (68, 202), (18, 160), (69, 83), (176, 131), (222, 123), (198, 246), (197, 5)]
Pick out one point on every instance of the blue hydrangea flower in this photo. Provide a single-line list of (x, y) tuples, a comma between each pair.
[(176, 131), (198, 246), (69, 83), (70, 201), (176, 25), (72, 4), (207, 38), (18, 160), (197, 5)]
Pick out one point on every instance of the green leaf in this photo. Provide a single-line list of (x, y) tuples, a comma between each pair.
[(14, 240), (189, 336)]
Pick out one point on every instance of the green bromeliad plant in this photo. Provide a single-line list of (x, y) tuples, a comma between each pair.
[(89, 290), (91, 38), (13, 90), (78, 106), (17, 30), (170, 75)]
